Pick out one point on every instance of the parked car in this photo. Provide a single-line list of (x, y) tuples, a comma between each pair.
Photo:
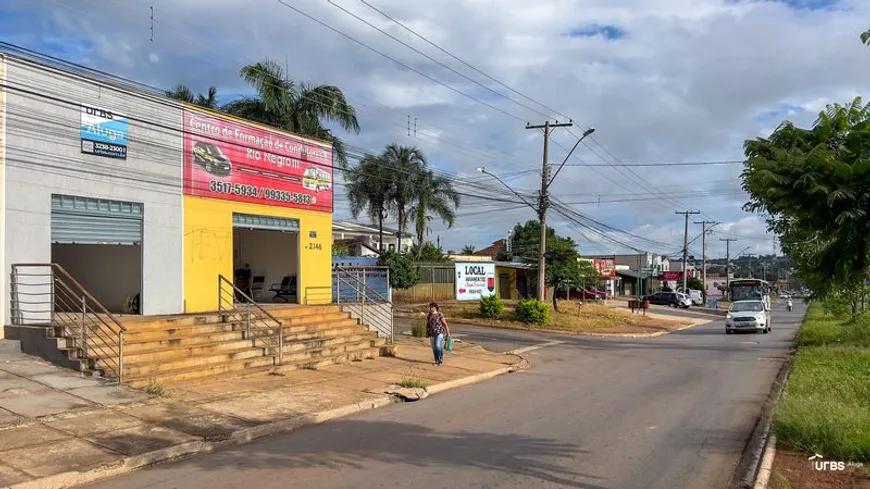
[(751, 315), (671, 299), (696, 296), (597, 293)]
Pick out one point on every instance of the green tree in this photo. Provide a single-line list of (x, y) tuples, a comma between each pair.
[(406, 165), (435, 196), (185, 94), (814, 187), (404, 272), (694, 283), (865, 37), (428, 253), (340, 249), (563, 270), (368, 186), (468, 250), (299, 108)]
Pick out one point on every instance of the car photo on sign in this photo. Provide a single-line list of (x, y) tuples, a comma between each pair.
[(212, 159), (316, 179)]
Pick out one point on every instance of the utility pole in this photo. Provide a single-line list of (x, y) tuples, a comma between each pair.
[(728, 242), (750, 255), (543, 203), (686, 214), (704, 232)]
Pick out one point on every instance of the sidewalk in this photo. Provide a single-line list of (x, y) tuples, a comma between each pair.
[(58, 428)]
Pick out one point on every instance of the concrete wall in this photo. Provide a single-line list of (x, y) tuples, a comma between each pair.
[(110, 272), (272, 254), (43, 156), (208, 249)]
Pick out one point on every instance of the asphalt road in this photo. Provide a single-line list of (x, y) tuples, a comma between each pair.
[(667, 412)]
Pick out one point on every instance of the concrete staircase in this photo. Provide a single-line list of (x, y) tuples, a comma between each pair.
[(187, 348), (170, 350)]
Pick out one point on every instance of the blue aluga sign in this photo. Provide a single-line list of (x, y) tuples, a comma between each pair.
[(103, 133)]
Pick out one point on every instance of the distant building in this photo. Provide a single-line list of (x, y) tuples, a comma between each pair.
[(363, 239)]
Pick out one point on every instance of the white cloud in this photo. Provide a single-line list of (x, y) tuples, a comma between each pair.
[(687, 82)]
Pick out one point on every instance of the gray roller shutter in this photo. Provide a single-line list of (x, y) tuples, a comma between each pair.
[(265, 222), (83, 220)]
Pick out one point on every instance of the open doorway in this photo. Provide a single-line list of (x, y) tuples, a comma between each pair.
[(99, 242), (112, 273), (266, 258)]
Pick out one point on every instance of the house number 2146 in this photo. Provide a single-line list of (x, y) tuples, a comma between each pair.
[(315, 246)]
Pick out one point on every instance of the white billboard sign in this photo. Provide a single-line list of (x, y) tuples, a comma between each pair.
[(474, 280)]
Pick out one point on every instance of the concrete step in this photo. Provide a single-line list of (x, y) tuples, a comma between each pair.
[(331, 354), (136, 335), (177, 362), (332, 332), (327, 342), (133, 347), (165, 377), (162, 354)]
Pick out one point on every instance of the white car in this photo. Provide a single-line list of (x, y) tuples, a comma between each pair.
[(684, 301), (750, 315)]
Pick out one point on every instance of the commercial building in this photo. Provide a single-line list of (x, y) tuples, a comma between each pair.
[(137, 195)]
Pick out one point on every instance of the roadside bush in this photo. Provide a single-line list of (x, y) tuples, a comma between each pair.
[(533, 311), (491, 307), (404, 272), (418, 329)]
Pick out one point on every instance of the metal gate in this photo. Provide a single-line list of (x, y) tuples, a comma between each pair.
[(84, 220), (265, 222)]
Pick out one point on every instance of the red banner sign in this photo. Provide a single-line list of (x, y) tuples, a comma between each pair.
[(226, 159), (606, 267), (670, 276)]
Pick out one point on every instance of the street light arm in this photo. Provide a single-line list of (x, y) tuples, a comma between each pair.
[(585, 133), (524, 201)]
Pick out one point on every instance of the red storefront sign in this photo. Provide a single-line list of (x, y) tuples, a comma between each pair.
[(606, 267), (230, 160), (670, 276)]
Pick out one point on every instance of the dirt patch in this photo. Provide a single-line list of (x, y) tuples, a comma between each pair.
[(794, 470), (588, 318)]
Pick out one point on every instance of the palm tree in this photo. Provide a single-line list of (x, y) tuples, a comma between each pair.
[(299, 108), (865, 37), (434, 195), (406, 165), (185, 94), (368, 190), (468, 250)]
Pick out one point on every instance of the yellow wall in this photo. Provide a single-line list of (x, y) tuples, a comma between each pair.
[(208, 250), (512, 274)]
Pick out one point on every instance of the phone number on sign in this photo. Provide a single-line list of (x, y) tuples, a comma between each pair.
[(256, 192)]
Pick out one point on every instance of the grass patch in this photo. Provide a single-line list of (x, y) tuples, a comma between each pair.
[(156, 390), (412, 383), (589, 318), (826, 407)]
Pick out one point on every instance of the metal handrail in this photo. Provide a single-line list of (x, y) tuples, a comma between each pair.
[(96, 333), (253, 328), (365, 290)]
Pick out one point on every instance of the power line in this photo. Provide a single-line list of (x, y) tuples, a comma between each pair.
[(665, 164)]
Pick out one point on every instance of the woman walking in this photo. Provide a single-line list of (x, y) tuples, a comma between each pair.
[(437, 330)]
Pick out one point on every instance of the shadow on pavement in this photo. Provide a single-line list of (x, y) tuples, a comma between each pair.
[(354, 444)]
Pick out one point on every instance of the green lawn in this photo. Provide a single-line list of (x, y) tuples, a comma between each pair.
[(826, 407)]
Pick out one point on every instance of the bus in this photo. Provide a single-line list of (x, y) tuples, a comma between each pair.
[(742, 289), (316, 179)]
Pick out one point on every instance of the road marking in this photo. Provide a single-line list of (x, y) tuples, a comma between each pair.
[(535, 347)]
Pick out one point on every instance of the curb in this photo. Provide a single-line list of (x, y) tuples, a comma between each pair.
[(583, 333), (766, 464), (748, 469), (127, 465)]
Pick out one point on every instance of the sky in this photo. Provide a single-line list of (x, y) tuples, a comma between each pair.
[(661, 81)]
